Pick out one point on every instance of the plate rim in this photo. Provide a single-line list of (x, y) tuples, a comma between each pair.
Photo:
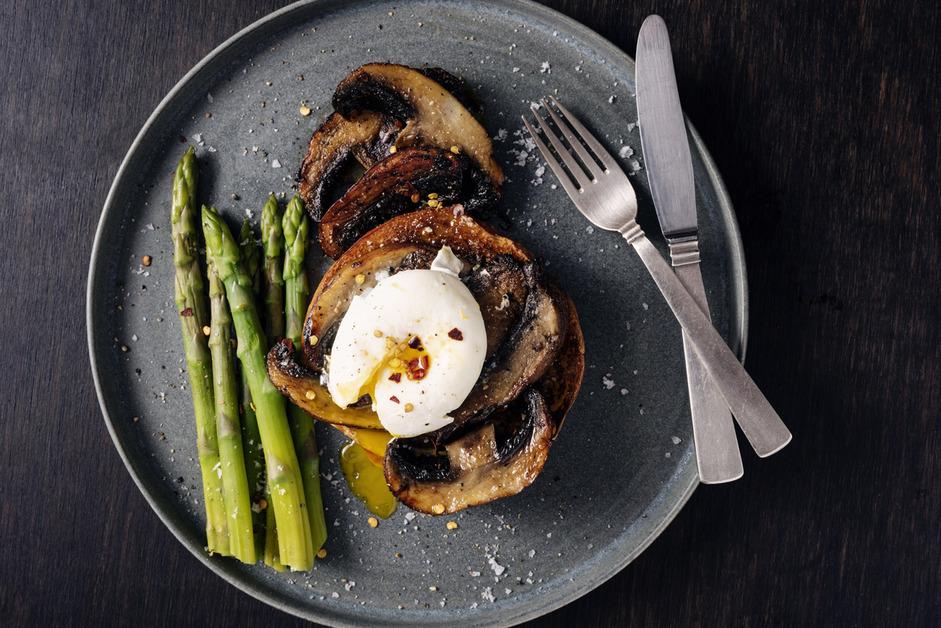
[(565, 594)]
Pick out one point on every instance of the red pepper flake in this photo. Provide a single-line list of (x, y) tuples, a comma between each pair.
[(187, 312), (415, 343), (455, 334), (394, 399), (417, 368), (396, 377)]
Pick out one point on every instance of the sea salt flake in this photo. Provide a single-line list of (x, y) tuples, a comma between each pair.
[(497, 568), (607, 382), (275, 163)]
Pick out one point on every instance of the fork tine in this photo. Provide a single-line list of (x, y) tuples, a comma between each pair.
[(553, 164), (603, 156), (583, 154), (566, 156)]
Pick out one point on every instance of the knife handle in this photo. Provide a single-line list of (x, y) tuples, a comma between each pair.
[(717, 454), (762, 426)]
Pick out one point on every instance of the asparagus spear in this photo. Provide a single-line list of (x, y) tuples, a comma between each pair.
[(251, 437), (272, 238), (190, 297), (284, 481), (297, 291), (225, 389)]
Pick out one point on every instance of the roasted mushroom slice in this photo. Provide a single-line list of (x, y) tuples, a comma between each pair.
[(365, 135), (500, 287), (304, 389), (524, 356), (497, 459), (393, 186), (432, 115)]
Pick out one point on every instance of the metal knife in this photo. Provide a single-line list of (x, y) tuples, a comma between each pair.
[(670, 173)]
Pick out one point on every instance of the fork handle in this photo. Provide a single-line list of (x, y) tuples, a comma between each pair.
[(762, 426)]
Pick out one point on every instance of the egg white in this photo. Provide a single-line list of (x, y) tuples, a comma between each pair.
[(424, 303)]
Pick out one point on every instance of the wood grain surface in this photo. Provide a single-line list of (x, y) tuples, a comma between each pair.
[(823, 118)]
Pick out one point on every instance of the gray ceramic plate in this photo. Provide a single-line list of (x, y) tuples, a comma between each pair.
[(622, 467)]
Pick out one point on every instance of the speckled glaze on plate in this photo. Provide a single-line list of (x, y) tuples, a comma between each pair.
[(622, 467)]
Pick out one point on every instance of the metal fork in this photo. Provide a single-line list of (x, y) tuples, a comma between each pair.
[(604, 195)]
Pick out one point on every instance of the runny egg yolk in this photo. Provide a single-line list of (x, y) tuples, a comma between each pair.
[(415, 343)]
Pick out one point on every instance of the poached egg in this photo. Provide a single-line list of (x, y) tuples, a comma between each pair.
[(415, 344)]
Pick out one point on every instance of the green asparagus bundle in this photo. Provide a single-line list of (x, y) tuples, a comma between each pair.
[(251, 437), (297, 292), (272, 240), (190, 295), (236, 496), (283, 475)]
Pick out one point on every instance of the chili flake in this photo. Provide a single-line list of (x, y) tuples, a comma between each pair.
[(394, 399), (396, 377), (455, 334), (187, 312), (415, 343)]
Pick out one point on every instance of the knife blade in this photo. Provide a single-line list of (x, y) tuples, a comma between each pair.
[(670, 174)]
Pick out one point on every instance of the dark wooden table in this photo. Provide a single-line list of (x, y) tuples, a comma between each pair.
[(824, 121)]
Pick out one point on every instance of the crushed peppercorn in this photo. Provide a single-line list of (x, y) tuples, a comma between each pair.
[(456, 334)]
